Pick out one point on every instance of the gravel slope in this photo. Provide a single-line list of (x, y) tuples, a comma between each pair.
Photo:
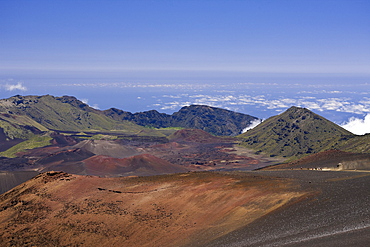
[(337, 215)]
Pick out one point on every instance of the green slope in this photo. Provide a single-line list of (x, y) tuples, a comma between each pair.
[(354, 144), (34, 142), (66, 113), (295, 133), (19, 127)]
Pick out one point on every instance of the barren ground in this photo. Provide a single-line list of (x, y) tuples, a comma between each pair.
[(189, 209), (193, 150), (337, 215)]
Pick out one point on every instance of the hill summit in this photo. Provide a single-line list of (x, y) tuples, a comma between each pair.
[(295, 132)]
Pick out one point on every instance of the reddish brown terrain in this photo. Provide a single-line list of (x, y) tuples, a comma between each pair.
[(198, 150), (105, 194), (185, 150), (187, 209), (138, 165)]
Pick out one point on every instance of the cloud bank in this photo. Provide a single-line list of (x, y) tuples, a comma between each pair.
[(236, 102), (358, 126)]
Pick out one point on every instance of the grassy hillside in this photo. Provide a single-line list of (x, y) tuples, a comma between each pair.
[(355, 144), (34, 142), (295, 133), (65, 113), (17, 126)]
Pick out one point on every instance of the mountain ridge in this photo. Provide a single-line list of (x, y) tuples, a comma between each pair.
[(69, 113), (214, 120), (292, 134), (63, 113)]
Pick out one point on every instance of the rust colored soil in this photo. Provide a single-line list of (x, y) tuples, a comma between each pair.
[(58, 209)]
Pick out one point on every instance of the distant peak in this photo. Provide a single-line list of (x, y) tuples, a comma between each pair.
[(66, 99), (298, 111), (200, 106), (296, 108)]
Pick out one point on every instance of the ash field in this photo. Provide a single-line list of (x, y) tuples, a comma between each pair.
[(336, 214)]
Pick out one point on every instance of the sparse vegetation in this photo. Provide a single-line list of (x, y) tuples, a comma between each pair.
[(103, 137), (356, 144), (19, 126), (13, 131), (34, 142), (65, 113)]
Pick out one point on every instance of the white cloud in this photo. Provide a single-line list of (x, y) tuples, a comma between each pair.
[(365, 101), (253, 124), (312, 103), (95, 106), (358, 126), (18, 86), (86, 101), (175, 105), (356, 108), (179, 96), (181, 86)]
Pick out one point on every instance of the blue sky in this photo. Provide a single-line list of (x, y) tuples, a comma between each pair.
[(161, 36), (91, 48)]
